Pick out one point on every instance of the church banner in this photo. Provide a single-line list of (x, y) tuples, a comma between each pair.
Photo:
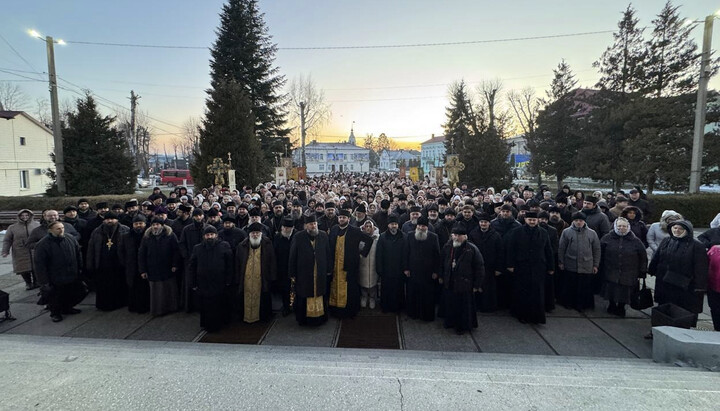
[(280, 175), (401, 172), (414, 174)]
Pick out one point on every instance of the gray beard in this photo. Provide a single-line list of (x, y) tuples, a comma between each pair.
[(314, 233), (414, 222), (457, 244), (393, 231), (286, 235), (421, 235), (255, 242)]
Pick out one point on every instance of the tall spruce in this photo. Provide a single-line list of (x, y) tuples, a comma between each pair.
[(97, 154), (479, 146), (672, 63), (244, 53), (554, 142), (228, 128), (621, 65)]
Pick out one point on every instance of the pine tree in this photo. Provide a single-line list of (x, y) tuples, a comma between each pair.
[(228, 127), (621, 65), (244, 53), (97, 157), (554, 143), (672, 62)]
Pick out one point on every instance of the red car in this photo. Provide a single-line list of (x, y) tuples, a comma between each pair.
[(174, 177)]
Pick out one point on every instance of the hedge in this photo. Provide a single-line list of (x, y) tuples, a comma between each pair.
[(59, 203), (699, 209)]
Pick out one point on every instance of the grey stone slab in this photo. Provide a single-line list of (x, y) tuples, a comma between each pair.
[(432, 336), (580, 337), (561, 311), (116, 324), (9, 280), (172, 327), (89, 300), (507, 335), (600, 310), (42, 325), (687, 347), (630, 333), (286, 331), (22, 314)]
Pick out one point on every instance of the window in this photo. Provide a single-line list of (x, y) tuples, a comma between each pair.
[(22, 141), (321, 167), (24, 180), (351, 167)]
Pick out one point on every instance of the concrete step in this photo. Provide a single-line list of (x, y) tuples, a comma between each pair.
[(61, 372)]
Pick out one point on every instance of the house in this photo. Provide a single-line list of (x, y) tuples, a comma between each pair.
[(519, 154), (25, 148), (432, 153), (389, 159), (321, 158)]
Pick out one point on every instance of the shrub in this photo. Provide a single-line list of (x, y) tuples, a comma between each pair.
[(59, 203), (699, 209)]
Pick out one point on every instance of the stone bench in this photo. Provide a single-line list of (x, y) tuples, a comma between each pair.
[(687, 347)]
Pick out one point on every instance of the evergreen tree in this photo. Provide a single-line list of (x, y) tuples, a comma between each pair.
[(228, 127), (244, 53), (480, 147), (96, 154), (672, 62), (621, 65), (555, 142)]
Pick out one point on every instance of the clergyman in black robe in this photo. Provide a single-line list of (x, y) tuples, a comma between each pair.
[(309, 267), (389, 266), (422, 264), (103, 259)]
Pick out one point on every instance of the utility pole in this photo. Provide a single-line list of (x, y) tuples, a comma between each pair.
[(57, 131), (701, 108), (302, 132)]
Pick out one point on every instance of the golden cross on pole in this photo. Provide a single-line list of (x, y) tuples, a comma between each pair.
[(453, 167), (218, 168)]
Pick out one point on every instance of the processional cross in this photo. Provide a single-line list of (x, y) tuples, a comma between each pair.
[(218, 168), (454, 166)]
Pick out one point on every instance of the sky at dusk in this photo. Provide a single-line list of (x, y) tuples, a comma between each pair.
[(398, 91)]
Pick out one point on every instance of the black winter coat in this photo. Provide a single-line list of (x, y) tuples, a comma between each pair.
[(233, 237), (623, 259), (211, 268), (128, 249), (710, 237), (158, 255), (422, 258), (491, 248), (303, 258), (191, 236), (282, 254), (469, 268), (97, 241), (388, 254), (528, 251), (57, 260)]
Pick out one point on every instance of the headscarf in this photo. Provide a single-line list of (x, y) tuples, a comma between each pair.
[(615, 226)]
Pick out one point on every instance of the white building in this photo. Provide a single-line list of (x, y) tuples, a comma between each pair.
[(519, 154), (25, 147), (432, 153), (321, 158), (389, 159)]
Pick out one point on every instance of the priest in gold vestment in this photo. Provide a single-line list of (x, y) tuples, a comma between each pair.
[(255, 269)]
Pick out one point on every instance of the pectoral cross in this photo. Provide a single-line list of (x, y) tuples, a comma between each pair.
[(109, 243)]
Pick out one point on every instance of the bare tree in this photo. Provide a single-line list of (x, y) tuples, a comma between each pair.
[(139, 140), (525, 105), (309, 111), (12, 97), (189, 140), (489, 91), (42, 111)]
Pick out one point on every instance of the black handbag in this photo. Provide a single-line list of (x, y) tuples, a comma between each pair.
[(641, 298)]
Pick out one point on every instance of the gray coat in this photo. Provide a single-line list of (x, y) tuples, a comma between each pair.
[(655, 236), (16, 240), (579, 250)]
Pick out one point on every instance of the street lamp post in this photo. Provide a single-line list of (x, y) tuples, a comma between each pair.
[(55, 107), (701, 108)]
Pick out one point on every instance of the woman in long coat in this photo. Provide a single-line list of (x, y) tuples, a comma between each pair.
[(623, 261), (16, 240), (680, 266), (367, 274)]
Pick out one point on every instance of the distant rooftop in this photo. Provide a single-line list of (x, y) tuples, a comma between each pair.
[(434, 139)]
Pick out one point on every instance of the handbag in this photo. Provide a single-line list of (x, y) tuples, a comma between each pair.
[(641, 298)]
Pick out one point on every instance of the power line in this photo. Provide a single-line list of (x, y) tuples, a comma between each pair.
[(376, 46), (19, 75), (17, 53)]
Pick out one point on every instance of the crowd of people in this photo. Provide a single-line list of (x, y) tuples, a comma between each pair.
[(334, 245)]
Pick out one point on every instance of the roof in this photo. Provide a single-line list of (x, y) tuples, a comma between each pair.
[(10, 115), (332, 146), (401, 154), (437, 139)]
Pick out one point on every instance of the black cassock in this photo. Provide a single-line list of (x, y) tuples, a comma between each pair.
[(352, 252), (490, 245), (138, 287), (463, 271), (530, 254), (389, 266), (309, 264), (211, 271), (104, 262), (422, 259)]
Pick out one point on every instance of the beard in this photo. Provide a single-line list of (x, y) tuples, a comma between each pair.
[(295, 214), (286, 235), (554, 219), (393, 231), (157, 231), (457, 244), (139, 230), (421, 235), (255, 242), (414, 221), (314, 232)]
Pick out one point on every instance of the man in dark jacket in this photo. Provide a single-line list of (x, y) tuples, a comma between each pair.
[(381, 216), (57, 266), (103, 264), (389, 266), (444, 226), (462, 274), (158, 259), (544, 219), (329, 219), (255, 269), (184, 219), (636, 200), (281, 244), (138, 287), (274, 222), (211, 272), (84, 210), (503, 225), (421, 264), (347, 243), (191, 236), (131, 210), (489, 243), (529, 259), (70, 216), (710, 237), (231, 234), (309, 266)]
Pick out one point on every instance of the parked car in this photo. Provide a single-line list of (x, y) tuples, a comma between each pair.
[(143, 183), (175, 177)]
